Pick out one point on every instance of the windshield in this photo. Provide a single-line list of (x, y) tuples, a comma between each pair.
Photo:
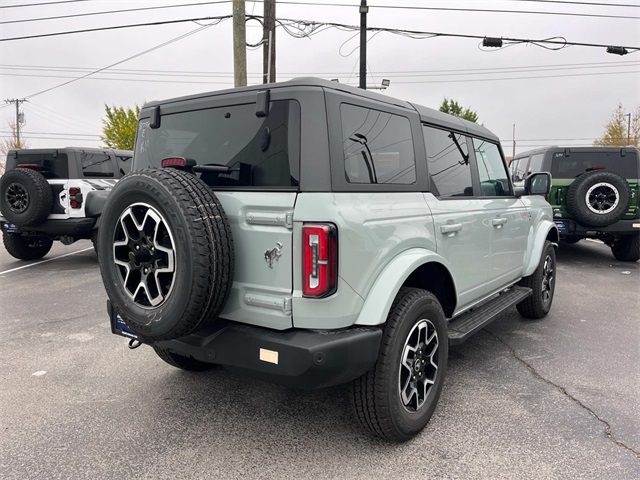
[(578, 163), (260, 151)]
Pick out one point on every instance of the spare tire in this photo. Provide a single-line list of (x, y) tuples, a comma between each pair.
[(25, 197), (598, 198), (166, 253)]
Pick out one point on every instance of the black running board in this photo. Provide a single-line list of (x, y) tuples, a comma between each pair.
[(462, 327)]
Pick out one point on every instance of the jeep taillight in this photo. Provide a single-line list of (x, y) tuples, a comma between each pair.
[(75, 197), (319, 259)]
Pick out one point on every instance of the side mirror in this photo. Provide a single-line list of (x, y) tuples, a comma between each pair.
[(538, 183)]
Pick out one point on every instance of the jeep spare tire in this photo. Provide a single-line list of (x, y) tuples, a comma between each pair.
[(166, 253), (598, 198), (25, 197)]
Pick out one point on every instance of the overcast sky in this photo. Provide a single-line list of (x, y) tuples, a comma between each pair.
[(570, 110)]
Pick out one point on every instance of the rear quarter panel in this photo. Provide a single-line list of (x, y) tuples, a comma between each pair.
[(373, 229)]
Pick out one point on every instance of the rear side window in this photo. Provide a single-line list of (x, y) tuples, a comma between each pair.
[(52, 165), (448, 163), (494, 181), (578, 163), (96, 164), (260, 151), (124, 164), (378, 147)]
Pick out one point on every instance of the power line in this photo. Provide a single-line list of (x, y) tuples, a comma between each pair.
[(115, 27), (55, 133), (230, 82), (553, 66), (397, 73), (307, 28), (460, 9), (42, 3), (105, 12), (139, 54), (598, 4)]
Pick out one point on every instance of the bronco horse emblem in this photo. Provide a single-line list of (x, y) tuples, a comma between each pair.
[(273, 254)]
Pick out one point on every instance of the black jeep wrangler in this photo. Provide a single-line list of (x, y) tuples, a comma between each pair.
[(594, 193), (55, 194)]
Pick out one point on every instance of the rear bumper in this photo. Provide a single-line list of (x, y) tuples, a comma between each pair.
[(296, 358), (68, 226), (569, 227)]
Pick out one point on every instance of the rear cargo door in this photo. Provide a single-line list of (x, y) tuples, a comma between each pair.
[(250, 157)]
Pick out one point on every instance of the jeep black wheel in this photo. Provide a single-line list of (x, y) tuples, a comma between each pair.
[(543, 283), (25, 197), (626, 248), (182, 362), (165, 253), (396, 399), (25, 247), (598, 198)]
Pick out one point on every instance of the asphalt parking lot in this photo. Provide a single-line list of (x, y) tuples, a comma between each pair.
[(558, 398)]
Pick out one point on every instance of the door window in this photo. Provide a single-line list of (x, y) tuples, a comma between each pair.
[(518, 168), (494, 181), (448, 163), (377, 146)]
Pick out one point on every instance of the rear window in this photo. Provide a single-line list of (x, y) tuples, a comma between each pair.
[(53, 166), (578, 163), (260, 151)]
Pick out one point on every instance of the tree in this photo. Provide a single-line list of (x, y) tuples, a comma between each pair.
[(10, 143), (617, 132), (120, 125), (454, 108)]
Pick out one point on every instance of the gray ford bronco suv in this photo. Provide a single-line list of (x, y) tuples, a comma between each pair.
[(54, 194), (315, 234)]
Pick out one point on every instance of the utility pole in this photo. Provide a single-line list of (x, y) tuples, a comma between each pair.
[(514, 142), (19, 118), (364, 9), (628, 115), (239, 44), (269, 42)]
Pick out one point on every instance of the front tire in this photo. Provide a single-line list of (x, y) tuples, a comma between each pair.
[(396, 399), (26, 247), (627, 248), (543, 283)]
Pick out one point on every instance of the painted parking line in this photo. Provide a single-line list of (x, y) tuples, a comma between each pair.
[(46, 260)]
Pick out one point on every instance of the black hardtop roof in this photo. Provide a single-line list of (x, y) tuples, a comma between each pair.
[(594, 148), (427, 115), (45, 151)]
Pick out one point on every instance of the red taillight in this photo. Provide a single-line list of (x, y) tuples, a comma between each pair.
[(319, 260), (179, 162), (33, 166), (75, 197)]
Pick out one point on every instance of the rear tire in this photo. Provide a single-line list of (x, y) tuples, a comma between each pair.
[(543, 283), (25, 247), (627, 248), (180, 361), (396, 399)]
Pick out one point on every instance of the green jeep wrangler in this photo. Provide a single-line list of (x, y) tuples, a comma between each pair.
[(594, 194), (314, 234)]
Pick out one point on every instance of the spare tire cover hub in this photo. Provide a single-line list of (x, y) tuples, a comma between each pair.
[(17, 197), (144, 252), (602, 198)]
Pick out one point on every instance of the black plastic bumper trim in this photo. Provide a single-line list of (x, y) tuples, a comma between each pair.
[(67, 226)]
